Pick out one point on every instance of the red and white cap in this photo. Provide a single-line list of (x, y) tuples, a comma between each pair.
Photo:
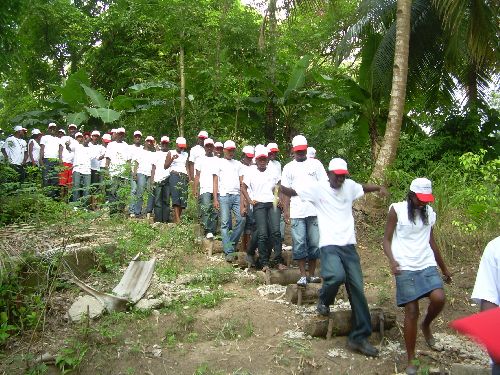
[(120, 130), (218, 145), (338, 166), (18, 128), (273, 147), (36, 132), (261, 151), (164, 139), (52, 125), (106, 138), (113, 131), (78, 134), (208, 141), (138, 132), (311, 152), (229, 145), (72, 126), (96, 132), (203, 134), (150, 138), (181, 142), (422, 187), (62, 131), (248, 151), (299, 143)]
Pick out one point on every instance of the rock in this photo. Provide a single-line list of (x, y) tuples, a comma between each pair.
[(463, 369), (148, 304), (78, 309)]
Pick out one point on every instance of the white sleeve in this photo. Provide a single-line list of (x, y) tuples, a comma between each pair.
[(285, 178), (487, 286), (356, 190), (308, 191)]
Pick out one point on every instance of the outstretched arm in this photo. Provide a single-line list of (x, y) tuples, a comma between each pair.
[(289, 192)]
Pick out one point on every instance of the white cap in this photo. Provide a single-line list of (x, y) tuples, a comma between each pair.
[(299, 143), (137, 132), (78, 134), (272, 147), (261, 151), (113, 130), (181, 142), (338, 166), (106, 137), (150, 138), (120, 130), (72, 126), (311, 152), (208, 141), (165, 139), (95, 132), (422, 187), (36, 132), (203, 134), (62, 131), (229, 145), (248, 151), (18, 128), (52, 124), (218, 145)]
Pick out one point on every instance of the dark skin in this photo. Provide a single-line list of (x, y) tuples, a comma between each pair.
[(209, 151), (168, 161), (191, 171), (436, 297), (30, 148), (219, 152), (229, 155), (20, 135), (164, 148), (52, 130), (137, 140)]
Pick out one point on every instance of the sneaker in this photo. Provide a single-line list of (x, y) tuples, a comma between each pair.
[(132, 216), (209, 236), (314, 279), (364, 347), (302, 281), (322, 309)]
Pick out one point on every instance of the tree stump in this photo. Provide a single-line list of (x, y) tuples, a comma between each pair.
[(285, 277), (211, 247), (309, 294)]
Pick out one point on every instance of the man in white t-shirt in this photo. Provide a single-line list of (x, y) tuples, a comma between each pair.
[(15, 151), (49, 160), (82, 161), (196, 151), (227, 179), (117, 157), (300, 213), (339, 260), (276, 166), (249, 235), (142, 174), (203, 187), (98, 151), (486, 291), (135, 150), (66, 156), (160, 177)]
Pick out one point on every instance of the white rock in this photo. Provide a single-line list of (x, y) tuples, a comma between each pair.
[(148, 304), (78, 309)]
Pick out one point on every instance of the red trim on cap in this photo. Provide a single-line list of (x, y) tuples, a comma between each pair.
[(202, 137), (229, 148), (181, 145), (106, 140), (261, 156), (340, 171), (300, 148), (273, 150), (248, 155), (425, 197)]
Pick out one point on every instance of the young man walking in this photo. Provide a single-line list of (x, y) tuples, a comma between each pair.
[(117, 156), (15, 152), (49, 160)]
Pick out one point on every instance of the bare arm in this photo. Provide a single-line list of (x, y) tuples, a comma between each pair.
[(42, 152), (168, 160), (6, 158), (244, 191), (60, 152), (153, 171), (390, 226), (196, 184), (371, 188), (190, 170), (288, 192), (439, 258), (216, 191), (30, 153)]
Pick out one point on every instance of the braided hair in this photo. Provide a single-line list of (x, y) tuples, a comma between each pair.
[(412, 209)]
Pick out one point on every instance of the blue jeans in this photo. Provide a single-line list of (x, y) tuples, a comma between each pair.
[(142, 182), (305, 238), (230, 238), (81, 187), (339, 265), (133, 194), (208, 213), (267, 219)]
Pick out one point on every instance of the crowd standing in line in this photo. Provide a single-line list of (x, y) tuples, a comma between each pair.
[(251, 199)]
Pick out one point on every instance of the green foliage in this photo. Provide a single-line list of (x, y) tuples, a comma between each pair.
[(69, 358)]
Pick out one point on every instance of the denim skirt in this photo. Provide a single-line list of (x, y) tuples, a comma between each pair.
[(413, 285)]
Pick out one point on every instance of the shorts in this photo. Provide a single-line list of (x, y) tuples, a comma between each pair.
[(178, 183), (413, 285), (66, 175)]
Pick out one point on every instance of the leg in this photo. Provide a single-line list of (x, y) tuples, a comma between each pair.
[(150, 195), (76, 186), (166, 192), (410, 329), (299, 245), (140, 187), (436, 304), (86, 189), (225, 218), (240, 221), (158, 208), (332, 271), (260, 214), (274, 218), (312, 231), (133, 195)]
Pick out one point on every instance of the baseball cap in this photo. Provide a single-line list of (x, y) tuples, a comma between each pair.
[(422, 187), (71, 126), (165, 139), (218, 145), (106, 137), (299, 143), (18, 128), (150, 138), (311, 152), (96, 132), (272, 147), (208, 141), (203, 134), (52, 125), (62, 131), (248, 151), (338, 166), (120, 130), (78, 134), (181, 141), (229, 145), (137, 132), (261, 151), (113, 131), (36, 132)]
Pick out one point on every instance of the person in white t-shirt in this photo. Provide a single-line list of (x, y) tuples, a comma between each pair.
[(98, 152), (249, 236), (486, 291), (34, 147), (302, 214), (177, 162), (196, 151), (413, 256), (219, 150), (203, 187), (82, 160), (160, 177), (142, 173), (49, 160), (135, 149), (15, 151), (66, 156), (227, 180), (258, 188), (276, 165), (117, 157), (339, 259)]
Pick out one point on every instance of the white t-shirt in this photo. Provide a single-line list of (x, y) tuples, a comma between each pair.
[(261, 184), (35, 151), (15, 148), (206, 165), (275, 166), (196, 152), (135, 151), (179, 164), (51, 150), (145, 160), (98, 151), (118, 154), (410, 242), (487, 285), (67, 156), (229, 172), (102, 164), (82, 158), (334, 210), (160, 172), (295, 174)]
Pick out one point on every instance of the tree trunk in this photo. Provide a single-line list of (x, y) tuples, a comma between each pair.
[(183, 91), (387, 152)]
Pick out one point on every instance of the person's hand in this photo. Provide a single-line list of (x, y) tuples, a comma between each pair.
[(286, 217), (175, 157), (243, 210), (216, 204), (134, 176), (254, 202), (395, 268), (447, 277)]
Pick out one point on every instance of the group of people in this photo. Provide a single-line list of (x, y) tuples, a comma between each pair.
[(249, 200)]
